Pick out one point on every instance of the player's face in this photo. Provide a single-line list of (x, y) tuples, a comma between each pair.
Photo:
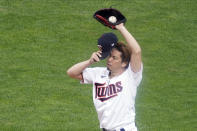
[(114, 61)]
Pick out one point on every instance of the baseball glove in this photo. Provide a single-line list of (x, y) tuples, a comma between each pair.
[(103, 16)]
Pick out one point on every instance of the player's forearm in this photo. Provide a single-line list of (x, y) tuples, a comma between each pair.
[(78, 68), (132, 43)]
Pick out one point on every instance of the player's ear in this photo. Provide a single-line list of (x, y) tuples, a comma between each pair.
[(124, 64)]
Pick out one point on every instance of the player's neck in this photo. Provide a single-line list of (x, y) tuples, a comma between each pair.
[(116, 73)]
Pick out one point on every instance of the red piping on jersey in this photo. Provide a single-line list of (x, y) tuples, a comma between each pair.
[(82, 77)]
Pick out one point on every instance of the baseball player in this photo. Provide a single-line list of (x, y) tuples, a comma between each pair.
[(114, 86)]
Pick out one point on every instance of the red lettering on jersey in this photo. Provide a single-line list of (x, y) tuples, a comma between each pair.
[(119, 87), (104, 92), (101, 92), (112, 89), (98, 89)]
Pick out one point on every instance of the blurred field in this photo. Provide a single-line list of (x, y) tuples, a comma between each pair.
[(41, 39)]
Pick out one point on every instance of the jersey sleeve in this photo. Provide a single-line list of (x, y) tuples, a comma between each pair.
[(88, 75), (137, 76)]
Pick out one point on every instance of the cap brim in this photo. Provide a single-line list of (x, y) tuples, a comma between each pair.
[(104, 55)]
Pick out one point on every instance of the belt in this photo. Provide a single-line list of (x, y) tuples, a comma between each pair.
[(122, 129)]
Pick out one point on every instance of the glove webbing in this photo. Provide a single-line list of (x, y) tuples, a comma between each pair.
[(105, 21)]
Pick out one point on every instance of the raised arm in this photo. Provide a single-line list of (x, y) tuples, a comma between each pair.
[(76, 70), (135, 61)]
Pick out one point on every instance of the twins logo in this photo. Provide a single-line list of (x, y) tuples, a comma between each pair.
[(104, 93)]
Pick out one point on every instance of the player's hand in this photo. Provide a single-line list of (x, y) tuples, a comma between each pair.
[(95, 57), (120, 26)]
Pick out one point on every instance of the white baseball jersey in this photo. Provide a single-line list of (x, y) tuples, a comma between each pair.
[(114, 99)]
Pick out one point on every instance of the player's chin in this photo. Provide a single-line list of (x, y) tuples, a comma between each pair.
[(109, 67)]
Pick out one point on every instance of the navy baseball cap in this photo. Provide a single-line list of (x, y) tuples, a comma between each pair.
[(106, 42)]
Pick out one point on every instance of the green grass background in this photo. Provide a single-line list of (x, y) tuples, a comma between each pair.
[(41, 39)]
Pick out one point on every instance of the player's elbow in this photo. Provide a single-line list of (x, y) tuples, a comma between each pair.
[(137, 51), (70, 73), (74, 75)]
